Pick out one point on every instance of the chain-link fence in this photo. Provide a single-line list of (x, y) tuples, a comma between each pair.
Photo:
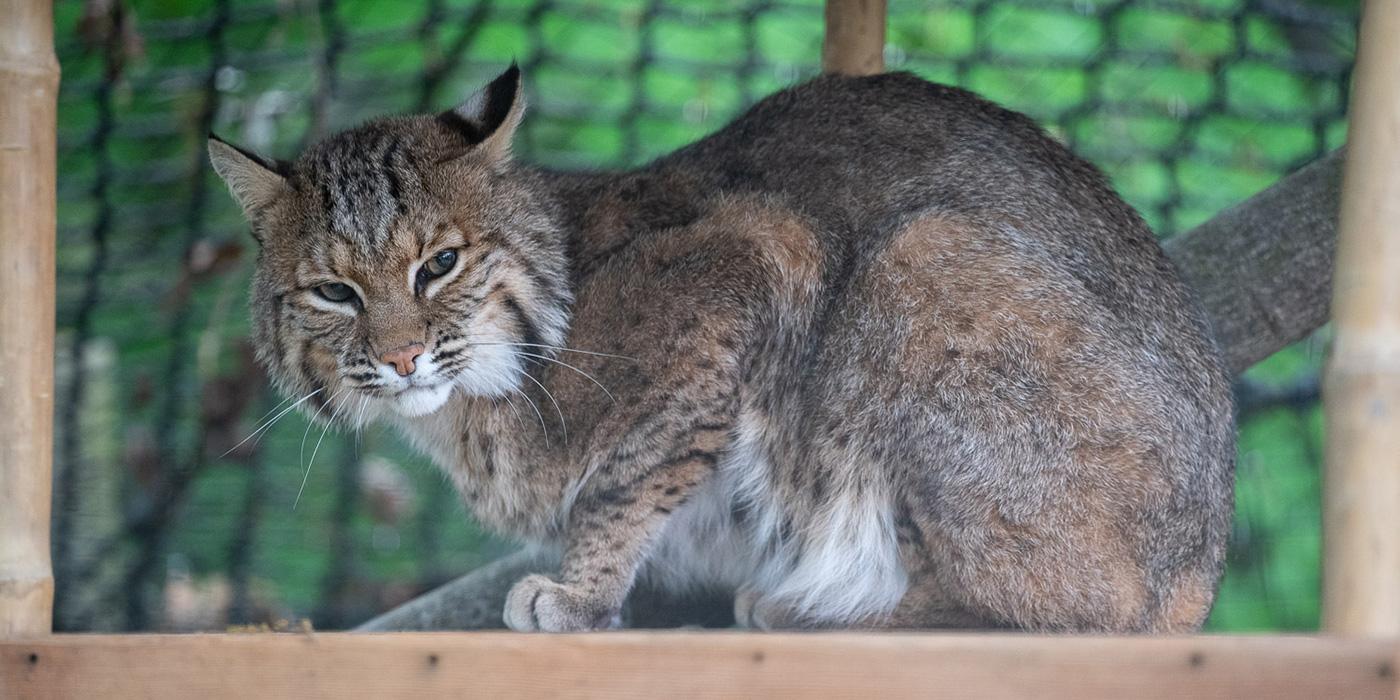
[(163, 520)]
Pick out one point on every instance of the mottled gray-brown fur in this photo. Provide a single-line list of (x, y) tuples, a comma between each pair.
[(879, 353)]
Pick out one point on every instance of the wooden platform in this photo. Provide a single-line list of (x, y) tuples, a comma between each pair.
[(694, 664)]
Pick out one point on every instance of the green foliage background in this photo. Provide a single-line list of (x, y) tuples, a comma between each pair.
[(1189, 106)]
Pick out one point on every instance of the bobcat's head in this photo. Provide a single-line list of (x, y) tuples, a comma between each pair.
[(402, 260)]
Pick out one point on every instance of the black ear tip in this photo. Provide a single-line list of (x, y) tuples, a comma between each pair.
[(513, 72)]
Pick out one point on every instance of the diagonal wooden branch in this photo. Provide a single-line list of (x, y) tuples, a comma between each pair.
[(1262, 269), (474, 601)]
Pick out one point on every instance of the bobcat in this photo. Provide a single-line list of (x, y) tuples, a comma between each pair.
[(877, 354)]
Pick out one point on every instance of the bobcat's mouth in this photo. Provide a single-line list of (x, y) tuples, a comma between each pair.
[(419, 393), (422, 399)]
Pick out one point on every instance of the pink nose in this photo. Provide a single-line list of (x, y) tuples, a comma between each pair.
[(402, 358)]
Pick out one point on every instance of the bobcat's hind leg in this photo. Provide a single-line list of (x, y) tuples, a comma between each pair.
[(929, 602), (926, 605)]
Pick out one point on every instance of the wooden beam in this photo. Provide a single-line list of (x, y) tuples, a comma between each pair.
[(1361, 389), (694, 664), (854, 43), (28, 110)]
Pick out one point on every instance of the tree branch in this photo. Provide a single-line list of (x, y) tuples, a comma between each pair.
[(474, 601), (1262, 269)]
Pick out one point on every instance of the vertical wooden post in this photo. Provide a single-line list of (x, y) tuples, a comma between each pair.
[(1361, 499), (28, 128), (855, 37)]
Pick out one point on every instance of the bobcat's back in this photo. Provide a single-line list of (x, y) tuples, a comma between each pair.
[(998, 363)]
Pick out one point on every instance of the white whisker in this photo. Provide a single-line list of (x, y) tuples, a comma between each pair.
[(564, 427), (360, 419), (556, 347), (518, 420), (275, 409), (314, 450), (539, 415), (265, 426), (311, 422), (585, 375)]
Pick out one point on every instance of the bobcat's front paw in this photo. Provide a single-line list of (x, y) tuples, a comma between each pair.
[(539, 604)]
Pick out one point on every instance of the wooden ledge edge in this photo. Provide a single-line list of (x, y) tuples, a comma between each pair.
[(683, 663)]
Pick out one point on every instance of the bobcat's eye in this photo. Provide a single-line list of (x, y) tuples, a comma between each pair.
[(440, 264), (336, 292), (436, 266)]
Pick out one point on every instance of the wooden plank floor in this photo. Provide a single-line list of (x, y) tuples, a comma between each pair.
[(694, 664)]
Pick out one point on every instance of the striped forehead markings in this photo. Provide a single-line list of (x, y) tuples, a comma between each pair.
[(363, 188), (391, 172)]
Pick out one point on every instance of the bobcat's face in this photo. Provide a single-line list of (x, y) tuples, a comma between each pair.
[(400, 263)]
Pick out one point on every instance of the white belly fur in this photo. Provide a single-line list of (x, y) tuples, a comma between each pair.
[(839, 564)]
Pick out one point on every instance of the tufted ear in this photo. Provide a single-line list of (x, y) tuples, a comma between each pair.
[(489, 117), (254, 181)]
